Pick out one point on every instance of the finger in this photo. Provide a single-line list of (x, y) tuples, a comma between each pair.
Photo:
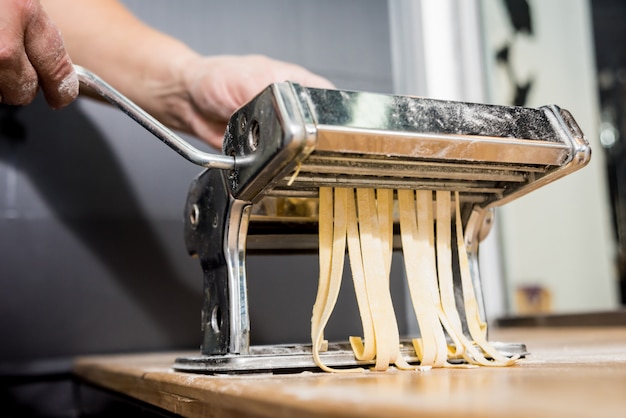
[(18, 78), (46, 51), (309, 79), (293, 72), (210, 132), (319, 82)]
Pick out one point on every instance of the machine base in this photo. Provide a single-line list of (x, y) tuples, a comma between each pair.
[(294, 358)]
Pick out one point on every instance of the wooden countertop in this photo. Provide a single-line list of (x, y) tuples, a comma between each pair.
[(571, 372)]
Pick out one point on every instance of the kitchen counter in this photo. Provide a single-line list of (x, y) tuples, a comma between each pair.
[(570, 372)]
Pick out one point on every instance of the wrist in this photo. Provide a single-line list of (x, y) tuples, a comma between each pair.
[(167, 94)]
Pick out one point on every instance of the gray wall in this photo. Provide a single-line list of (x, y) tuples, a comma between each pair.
[(92, 258)]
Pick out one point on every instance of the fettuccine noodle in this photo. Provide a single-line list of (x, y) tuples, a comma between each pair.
[(361, 220)]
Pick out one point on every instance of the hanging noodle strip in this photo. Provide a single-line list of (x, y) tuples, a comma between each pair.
[(362, 220)]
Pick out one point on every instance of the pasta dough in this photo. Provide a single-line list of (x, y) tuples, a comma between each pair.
[(362, 220)]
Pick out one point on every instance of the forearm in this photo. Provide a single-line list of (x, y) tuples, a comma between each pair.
[(180, 88), (144, 64)]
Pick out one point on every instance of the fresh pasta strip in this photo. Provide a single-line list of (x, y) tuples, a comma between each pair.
[(444, 257), (477, 327), (384, 205), (377, 285), (446, 306), (363, 349), (330, 282), (463, 346), (364, 222), (325, 237), (416, 220), (444, 268), (370, 247)]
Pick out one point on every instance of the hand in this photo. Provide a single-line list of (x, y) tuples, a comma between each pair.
[(32, 55), (217, 86)]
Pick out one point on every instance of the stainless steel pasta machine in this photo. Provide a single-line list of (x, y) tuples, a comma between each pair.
[(260, 194)]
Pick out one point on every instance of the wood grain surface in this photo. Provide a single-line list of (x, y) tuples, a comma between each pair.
[(571, 372)]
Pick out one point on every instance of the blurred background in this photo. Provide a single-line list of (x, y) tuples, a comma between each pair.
[(92, 257)]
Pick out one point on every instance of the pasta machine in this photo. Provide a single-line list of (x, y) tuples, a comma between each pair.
[(260, 194)]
